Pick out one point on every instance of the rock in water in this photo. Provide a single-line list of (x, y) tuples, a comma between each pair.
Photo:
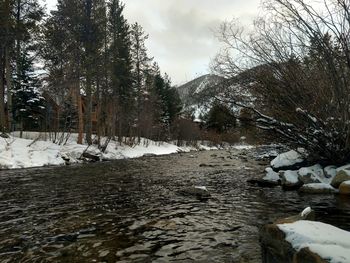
[(344, 188), (343, 174), (199, 192), (312, 174), (291, 160), (290, 180), (317, 188)]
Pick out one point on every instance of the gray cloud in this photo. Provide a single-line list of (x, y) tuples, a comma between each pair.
[(181, 31)]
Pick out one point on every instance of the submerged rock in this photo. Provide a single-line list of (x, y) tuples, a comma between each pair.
[(318, 188), (199, 192)]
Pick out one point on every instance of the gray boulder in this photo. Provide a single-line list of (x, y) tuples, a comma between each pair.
[(343, 174)]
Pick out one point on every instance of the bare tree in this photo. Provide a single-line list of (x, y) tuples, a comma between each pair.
[(297, 58)]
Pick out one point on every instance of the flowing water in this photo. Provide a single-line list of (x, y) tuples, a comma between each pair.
[(136, 210)]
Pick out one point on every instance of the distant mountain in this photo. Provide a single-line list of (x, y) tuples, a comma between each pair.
[(196, 95), (196, 90)]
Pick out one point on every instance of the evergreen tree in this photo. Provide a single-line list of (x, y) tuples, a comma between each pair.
[(120, 66), (141, 65), (28, 104)]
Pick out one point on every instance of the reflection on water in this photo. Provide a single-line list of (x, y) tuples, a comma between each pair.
[(134, 211)]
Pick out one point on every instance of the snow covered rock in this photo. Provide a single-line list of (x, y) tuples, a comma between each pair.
[(343, 174), (312, 174), (294, 240), (330, 171), (269, 180), (344, 188), (274, 246), (290, 180), (317, 188), (291, 160), (318, 241)]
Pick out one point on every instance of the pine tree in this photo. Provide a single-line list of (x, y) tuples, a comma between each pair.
[(22, 21), (141, 64), (28, 104), (120, 65)]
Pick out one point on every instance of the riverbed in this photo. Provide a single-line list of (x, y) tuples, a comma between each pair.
[(136, 210)]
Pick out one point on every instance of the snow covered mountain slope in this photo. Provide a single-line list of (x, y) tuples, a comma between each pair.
[(197, 94)]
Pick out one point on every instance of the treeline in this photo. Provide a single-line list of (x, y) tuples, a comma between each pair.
[(98, 76)]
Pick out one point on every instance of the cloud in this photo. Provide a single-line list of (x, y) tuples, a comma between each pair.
[(181, 37)]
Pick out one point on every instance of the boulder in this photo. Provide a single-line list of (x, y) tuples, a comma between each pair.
[(302, 241), (343, 174), (291, 160), (330, 171), (344, 188), (312, 174), (290, 180), (271, 179), (317, 188), (275, 247)]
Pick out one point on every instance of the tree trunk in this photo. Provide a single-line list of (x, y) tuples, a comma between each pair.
[(88, 109), (9, 89), (2, 95), (80, 114)]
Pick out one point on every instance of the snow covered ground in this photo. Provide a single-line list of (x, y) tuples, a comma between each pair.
[(30, 151)]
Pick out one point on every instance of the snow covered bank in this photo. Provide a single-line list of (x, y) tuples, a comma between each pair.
[(329, 242), (36, 150), (25, 153)]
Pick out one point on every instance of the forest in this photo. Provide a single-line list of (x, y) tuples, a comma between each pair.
[(82, 68)]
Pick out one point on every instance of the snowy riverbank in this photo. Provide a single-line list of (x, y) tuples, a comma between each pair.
[(35, 150)]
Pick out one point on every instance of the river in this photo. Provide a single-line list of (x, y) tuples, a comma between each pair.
[(135, 210)]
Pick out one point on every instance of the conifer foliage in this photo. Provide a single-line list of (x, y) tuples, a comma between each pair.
[(98, 77)]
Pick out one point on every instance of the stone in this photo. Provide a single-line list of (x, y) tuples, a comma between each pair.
[(270, 179), (317, 188), (343, 174), (275, 248), (330, 171), (291, 160), (311, 175), (290, 180), (200, 193), (344, 188)]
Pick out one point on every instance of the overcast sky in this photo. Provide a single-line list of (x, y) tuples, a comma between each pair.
[(181, 37)]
